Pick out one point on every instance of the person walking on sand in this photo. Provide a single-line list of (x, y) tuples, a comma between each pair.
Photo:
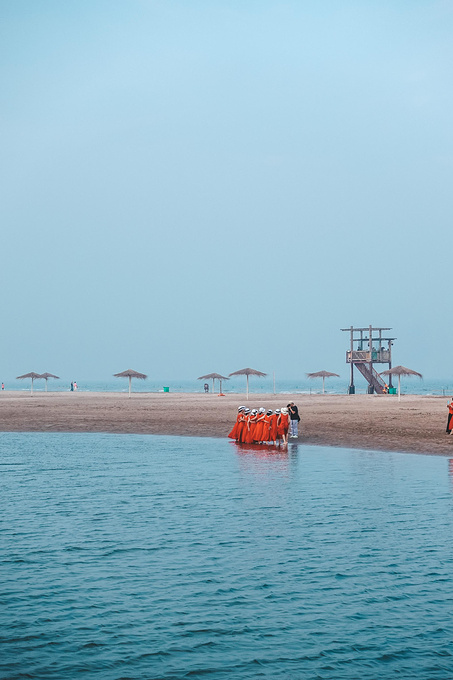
[(294, 419), (450, 417)]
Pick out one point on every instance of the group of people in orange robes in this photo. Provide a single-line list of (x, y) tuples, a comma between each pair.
[(258, 426)]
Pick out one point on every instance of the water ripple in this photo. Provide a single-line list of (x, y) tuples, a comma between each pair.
[(134, 557)]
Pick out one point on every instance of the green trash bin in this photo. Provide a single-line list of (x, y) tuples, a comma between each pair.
[(166, 389), (392, 390)]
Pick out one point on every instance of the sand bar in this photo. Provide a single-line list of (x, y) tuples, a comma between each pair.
[(416, 424)]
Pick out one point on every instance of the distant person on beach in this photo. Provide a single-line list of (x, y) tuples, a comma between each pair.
[(450, 417), (206, 388), (75, 386), (3, 386), (294, 419), (72, 387)]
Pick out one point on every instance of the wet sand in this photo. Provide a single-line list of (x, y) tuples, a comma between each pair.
[(416, 424)]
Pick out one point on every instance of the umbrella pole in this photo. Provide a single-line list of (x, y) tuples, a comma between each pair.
[(323, 382), (213, 385), (46, 384), (220, 386), (399, 387), (130, 383), (31, 391)]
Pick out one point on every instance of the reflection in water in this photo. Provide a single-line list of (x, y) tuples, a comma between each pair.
[(293, 449), (261, 450), (263, 459)]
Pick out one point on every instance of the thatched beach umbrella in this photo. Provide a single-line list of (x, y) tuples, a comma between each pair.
[(214, 376), (323, 375), (247, 372), (32, 375), (399, 371), (130, 374), (46, 377)]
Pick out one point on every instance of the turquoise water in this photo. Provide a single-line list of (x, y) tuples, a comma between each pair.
[(147, 557)]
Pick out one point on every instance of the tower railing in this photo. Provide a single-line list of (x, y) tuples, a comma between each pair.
[(379, 356)]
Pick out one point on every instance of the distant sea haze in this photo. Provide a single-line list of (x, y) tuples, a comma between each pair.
[(256, 385)]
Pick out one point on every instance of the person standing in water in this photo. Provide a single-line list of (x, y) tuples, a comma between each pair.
[(283, 425)]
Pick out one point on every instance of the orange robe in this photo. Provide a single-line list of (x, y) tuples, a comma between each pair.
[(273, 427), (234, 432), (258, 434), (283, 424), (266, 428), (242, 428), (250, 434)]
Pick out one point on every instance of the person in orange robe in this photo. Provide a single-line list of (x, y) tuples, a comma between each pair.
[(258, 434), (242, 427), (450, 417), (273, 428), (283, 425), (251, 425), (266, 433), (234, 432)]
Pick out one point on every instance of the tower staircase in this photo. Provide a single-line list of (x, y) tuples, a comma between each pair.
[(372, 377)]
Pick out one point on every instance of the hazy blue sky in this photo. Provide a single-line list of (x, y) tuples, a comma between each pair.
[(201, 185)]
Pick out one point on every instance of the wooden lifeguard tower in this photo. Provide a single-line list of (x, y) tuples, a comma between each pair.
[(366, 349)]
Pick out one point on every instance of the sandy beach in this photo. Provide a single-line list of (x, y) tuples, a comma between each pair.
[(416, 424)]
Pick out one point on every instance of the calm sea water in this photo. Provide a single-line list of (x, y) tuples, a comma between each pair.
[(144, 557), (235, 385)]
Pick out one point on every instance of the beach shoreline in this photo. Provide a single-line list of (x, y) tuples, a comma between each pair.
[(416, 424)]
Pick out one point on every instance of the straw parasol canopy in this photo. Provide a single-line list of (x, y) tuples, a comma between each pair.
[(130, 374), (46, 377), (247, 372), (323, 375), (400, 371), (214, 376), (32, 375)]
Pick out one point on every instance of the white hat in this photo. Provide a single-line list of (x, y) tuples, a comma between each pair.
[(284, 410), (262, 410)]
